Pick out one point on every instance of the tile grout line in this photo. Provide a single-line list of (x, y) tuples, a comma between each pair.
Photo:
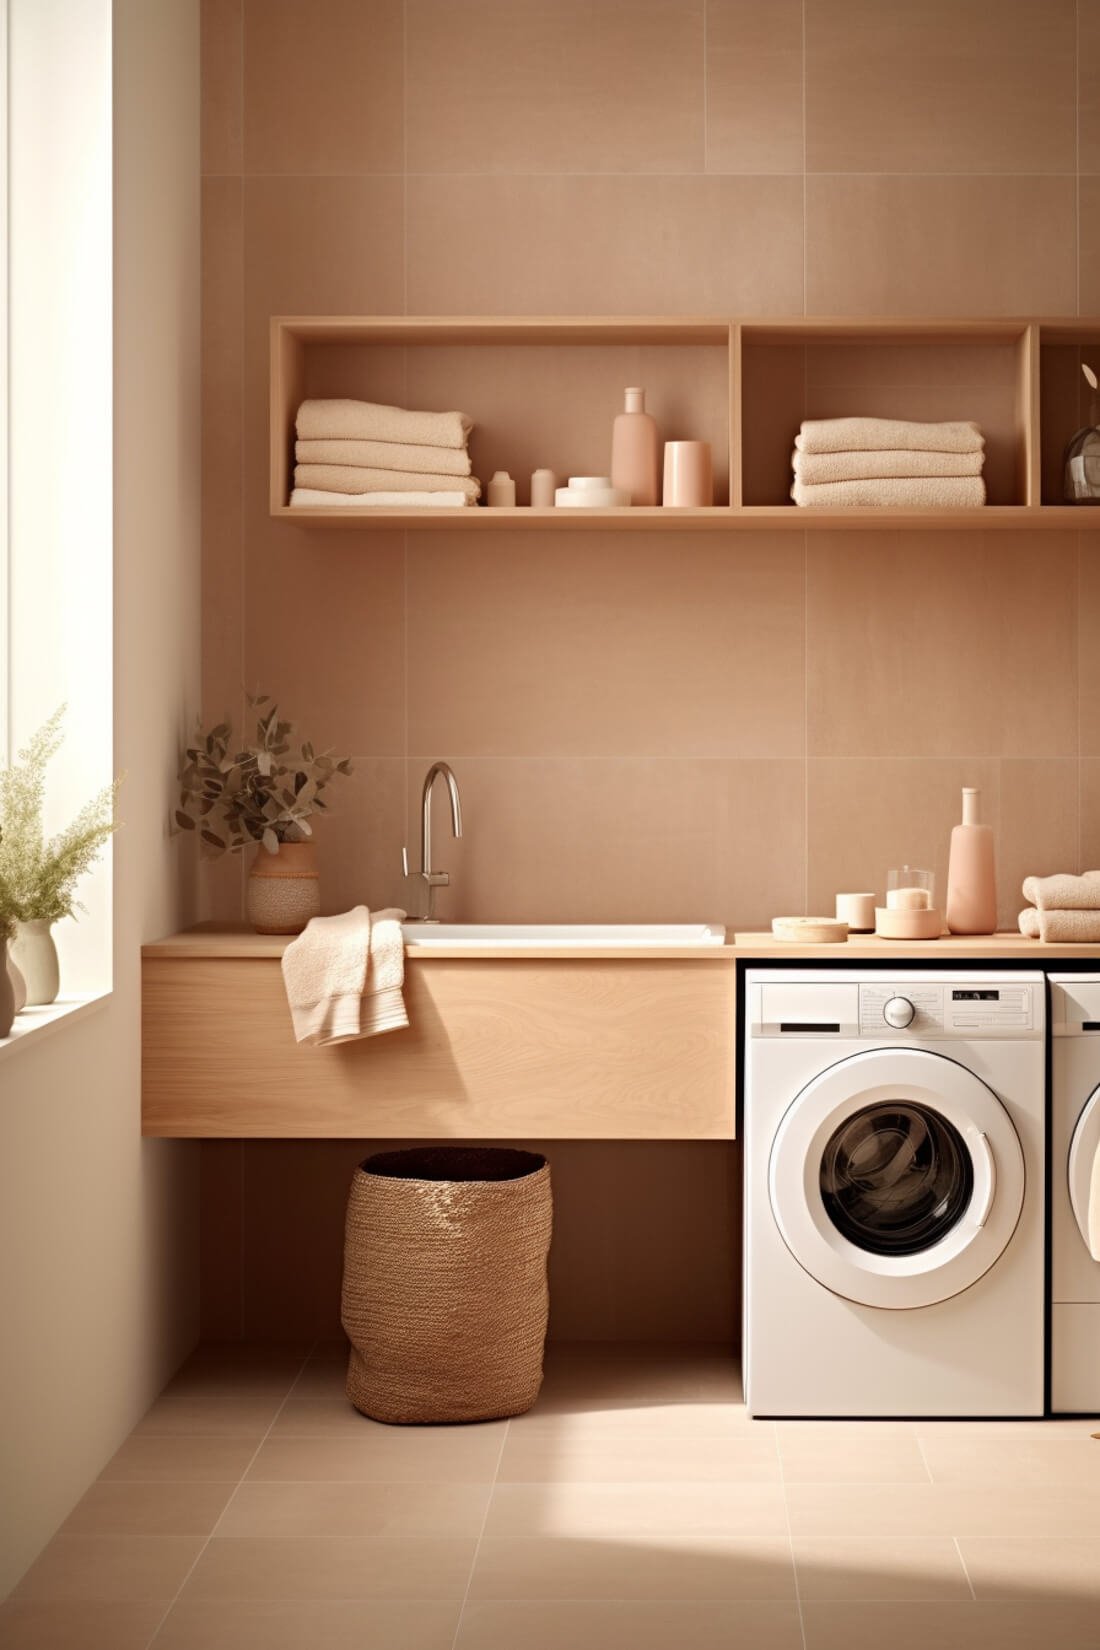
[(480, 1535), (217, 1522), (805, 186), (924, 1458), (790, 1538), (706, 111), (966, 1572)]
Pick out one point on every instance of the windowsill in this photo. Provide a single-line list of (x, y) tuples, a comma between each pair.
[(35, 1023)]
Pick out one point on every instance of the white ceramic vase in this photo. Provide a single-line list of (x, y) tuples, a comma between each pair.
[(18, 984), (35, 956)]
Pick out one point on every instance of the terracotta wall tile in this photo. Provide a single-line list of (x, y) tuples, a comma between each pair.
[(621, 840), (754, 86), (222, 443), (1088, 86), (221, 1276), (937, 645), (323, 86), (221, 32), (867, 816), (1088, 643), (523, 646), (520, 86), (940, 246), (623, 245), (1089, 835), (940, 86), (1039, 835), (1089, 233)]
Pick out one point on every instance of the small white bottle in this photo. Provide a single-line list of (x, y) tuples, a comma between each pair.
[(502, 491), (543, 485), (971, 874), (635, 450)]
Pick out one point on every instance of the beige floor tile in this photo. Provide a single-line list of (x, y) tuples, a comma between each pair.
[(1065, 1569), (388, 1455), (855, 1512), (320, 1509), (625, 1626), (213, 1460), (872, 1570), (221, 1373), (118, 1507), (851, 1455), (328, 1416), (1012, 1462), (646, 1418), (324, 1379), (221, 1415), (382, 1624), (27, 1624), (588, 1453), (1017, 1626), (128, 1569), (270, 1567), (607, 1511), (712, 1566), (592, 1375)]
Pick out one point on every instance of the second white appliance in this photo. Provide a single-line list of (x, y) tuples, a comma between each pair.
[(894, 1148), (1075, 1194)]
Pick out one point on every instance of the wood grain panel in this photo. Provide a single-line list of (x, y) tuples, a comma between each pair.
[(579, 1049)]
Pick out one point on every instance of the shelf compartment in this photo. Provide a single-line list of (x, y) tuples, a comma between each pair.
[(1064, 399), (540, 393), (928, 371)]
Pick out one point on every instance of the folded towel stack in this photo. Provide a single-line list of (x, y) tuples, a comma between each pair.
[(888, 462), (362, 453), (1063, 908)]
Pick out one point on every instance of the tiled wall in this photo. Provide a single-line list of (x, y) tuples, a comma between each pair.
[(656, 726)]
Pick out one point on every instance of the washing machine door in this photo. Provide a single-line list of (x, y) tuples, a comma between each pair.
[(896, 1178), (1084, 1174)]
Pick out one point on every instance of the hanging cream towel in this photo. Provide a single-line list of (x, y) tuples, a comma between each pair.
[(344, 976), (855, 435), (1064, 892), (908, 461), (388, 455), (1061, 927), (895, 492), (372, 421), (350, 478), (306, 498)]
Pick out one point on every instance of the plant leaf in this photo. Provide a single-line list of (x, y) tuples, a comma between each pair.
[(184, 821)]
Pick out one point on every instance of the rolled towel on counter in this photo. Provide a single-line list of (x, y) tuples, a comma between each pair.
[(372, 421), (1064, 892), (886, 461), (848, 435), (887, 492), (351, 478), (1061, 927), (386, 455), (315, 498)]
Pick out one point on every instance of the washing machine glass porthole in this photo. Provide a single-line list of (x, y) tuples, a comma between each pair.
[(896, 1177)]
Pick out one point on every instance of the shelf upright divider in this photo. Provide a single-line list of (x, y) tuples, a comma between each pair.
[(1029, 444), (734, 348)]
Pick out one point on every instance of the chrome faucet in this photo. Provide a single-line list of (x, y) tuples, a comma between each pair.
[(434, 879)]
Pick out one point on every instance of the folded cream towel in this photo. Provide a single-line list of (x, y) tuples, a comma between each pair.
[(856, 435), (896, 492), (349, 478), (1061, 927), (344, 975), (908, 461), (372, 421), (1064, 892), (386, 455), (312, 498)]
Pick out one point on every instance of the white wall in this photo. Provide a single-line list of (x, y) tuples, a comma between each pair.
[(98, 1275)]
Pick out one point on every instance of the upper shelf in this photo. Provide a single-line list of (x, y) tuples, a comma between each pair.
[(542, 392)]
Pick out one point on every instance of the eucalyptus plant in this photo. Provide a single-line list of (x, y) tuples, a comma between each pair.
[(38, 875), (264, 792)]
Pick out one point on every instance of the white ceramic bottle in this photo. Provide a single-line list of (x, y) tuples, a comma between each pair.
[(971, 875), (635, 451)]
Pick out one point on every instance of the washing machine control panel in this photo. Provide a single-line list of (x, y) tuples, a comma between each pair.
[(996, 1008)]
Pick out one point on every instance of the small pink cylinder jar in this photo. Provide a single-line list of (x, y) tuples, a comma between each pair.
[(689, 475)]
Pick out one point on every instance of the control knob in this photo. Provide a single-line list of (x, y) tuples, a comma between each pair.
[(899, 1013)]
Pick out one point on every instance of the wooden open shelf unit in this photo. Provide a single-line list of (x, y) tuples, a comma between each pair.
[(543, 391)]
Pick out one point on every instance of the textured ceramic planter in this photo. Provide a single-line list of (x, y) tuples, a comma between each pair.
[(283, 889), (35, 956), (18, 984), (7, 992)]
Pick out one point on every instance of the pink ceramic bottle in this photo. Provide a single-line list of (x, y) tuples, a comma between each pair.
[(971, 878), (635, 451)]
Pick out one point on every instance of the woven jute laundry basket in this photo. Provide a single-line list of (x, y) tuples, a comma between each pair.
[(445, 1299)]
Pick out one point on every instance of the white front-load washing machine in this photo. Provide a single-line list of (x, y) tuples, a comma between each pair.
[(894, 1193), (1075, 1194)]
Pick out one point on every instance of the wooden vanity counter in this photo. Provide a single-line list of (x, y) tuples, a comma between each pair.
[(503, 1043)]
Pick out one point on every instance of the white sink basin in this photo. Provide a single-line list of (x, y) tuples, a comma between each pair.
[(565, 935)]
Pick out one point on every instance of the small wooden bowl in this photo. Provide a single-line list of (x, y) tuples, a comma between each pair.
[(810, 930)]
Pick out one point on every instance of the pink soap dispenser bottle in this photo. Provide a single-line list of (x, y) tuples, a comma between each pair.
[(971, 877), (635, 450)]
